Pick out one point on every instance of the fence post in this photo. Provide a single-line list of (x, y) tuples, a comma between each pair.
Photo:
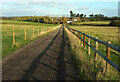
[(96, 47), (76, 36), (41, 29), (38, 31), (108, 56), (25, 34), (13, 37), (88, 46), (46, 28), (84, 42), (81, 40), (77, 39), (33, 32)]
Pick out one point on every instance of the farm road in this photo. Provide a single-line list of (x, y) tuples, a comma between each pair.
[(47, 58)]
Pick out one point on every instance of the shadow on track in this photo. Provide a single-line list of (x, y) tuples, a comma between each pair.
[(36, 61)]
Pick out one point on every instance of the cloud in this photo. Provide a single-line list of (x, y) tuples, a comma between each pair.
[(60, 0), (83, 8), (55, 8), (110, 11)]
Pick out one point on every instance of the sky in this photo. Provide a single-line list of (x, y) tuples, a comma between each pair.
[(58, 7)]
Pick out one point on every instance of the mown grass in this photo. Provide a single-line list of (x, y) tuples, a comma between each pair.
[(87, 67), (7, 36), (104, 34)]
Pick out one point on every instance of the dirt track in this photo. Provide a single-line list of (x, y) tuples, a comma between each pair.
[(47, 58)]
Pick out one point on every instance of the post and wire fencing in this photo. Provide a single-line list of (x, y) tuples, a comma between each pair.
[(85, 40), (23, 34)]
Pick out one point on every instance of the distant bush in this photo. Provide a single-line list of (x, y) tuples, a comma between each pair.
[(92, 19), (115, 23)]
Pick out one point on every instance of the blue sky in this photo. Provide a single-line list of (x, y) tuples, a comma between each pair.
[(59, 8)]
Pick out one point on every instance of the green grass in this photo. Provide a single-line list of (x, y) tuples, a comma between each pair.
[(87, 68), (7, 36), (93, 23), (104, 34), (25, 23)]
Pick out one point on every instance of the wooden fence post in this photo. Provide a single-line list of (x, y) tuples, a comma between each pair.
[(76, 36), (81, 40), (96, 47), (108, 56), (38, 31), (46, 28), (13, 37), (41, 29), (77, 39), (25, 34), (84, 42), (33, 32), (88, 46)]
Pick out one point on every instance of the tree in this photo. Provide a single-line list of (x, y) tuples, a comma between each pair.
[(74, 15), (99, 17), (71, 14), (77, 15), (91, 15), (81, 15)]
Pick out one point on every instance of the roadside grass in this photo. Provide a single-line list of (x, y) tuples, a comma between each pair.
[(87, 68), (7, 36), (104, 34)]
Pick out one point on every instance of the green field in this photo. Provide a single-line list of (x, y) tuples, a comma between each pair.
[(104, 34), (25, 23), (95, 23), (87, 67), (7, 35)]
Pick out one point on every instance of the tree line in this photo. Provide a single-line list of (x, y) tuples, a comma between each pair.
[(92, 17), (39, 19), (58, 20)]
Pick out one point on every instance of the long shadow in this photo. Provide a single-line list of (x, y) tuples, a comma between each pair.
[(61, 74), (74, 78), (36, 61)]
